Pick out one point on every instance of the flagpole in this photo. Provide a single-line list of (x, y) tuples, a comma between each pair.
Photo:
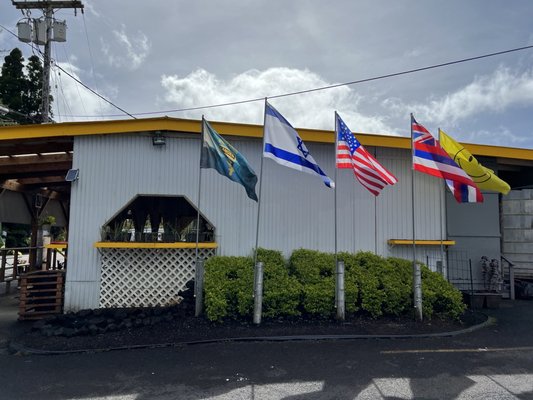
[(417, 279), (375, 214), (335, 188), (442, 236), (340, 303), (260, 187), (199, 192), (442, 205)]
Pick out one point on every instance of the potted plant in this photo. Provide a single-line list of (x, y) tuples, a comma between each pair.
[(46, 224), (47, 221)]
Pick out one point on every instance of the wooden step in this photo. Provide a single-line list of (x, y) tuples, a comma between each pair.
[(41, 294)]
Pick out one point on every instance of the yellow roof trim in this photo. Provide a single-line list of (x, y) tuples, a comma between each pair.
[(69, 129)]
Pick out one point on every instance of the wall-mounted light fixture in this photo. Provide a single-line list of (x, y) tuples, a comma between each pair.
[(39, 200), (72, 175), (158, 139)]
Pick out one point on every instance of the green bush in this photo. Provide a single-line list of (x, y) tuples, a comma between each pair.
[(439, 297), (380, 290), (397, 282), (319, 298), (229, 281), (374, 285), (227, 287), (314, 271), (281, 292), (311, 266)]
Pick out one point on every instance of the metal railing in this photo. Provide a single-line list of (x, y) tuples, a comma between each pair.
[(510, 276)]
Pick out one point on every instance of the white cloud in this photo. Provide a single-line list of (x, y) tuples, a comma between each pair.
[(125, 51), (490, 93), (92, 9), (313, 110), (71, 100), (499, 136)]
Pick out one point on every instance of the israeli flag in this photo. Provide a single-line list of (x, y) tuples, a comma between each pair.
[(284, 146)]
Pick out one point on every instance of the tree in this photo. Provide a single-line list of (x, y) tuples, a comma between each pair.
[(22, 92), (31, 102), (13, 82)]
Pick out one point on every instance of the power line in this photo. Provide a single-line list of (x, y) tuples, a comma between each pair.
[(91, 58), (77, 88), (77, 80), (395, 74), (355, 82), (97, 94)]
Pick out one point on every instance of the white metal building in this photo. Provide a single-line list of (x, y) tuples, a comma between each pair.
[(118, 161)]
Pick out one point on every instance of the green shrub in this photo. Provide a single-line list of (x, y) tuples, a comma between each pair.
[(229, 282), (374, 285), (367, 260), (371, 297), (439, 297), (228, 292), (311, 266), (314, 271), (281, 292), (319, 298), (397, 282)]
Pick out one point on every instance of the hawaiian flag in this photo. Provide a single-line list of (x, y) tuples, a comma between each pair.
[(430, 158), (351, 154)]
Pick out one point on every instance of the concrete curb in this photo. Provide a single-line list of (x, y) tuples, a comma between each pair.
[(18, 348)]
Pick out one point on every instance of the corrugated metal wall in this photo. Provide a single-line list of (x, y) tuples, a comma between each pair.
[(297, 209), (517, 216), (476, 229)]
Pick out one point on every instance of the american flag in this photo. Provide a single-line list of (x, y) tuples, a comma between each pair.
[(351, 154), (430, 158)]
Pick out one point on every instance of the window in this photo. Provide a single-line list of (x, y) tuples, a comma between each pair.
[(150, 218)]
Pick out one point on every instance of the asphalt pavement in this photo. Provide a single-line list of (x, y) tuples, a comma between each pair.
[(495, 362)]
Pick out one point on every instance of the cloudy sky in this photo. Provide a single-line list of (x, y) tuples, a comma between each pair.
[(152, 58)]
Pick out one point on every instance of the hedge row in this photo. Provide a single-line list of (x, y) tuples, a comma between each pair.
[(374, 286)]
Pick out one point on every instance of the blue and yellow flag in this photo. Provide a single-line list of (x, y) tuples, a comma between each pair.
[(218, 154), (483, 177)]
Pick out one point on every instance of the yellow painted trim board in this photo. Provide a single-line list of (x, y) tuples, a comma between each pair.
[(58, 246), (139, 245), (421, 242), (70, 129)]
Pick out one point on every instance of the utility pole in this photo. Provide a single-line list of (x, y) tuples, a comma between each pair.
[(47, 6), (45, 104)]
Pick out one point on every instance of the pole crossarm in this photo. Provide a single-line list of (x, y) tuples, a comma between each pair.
[(47, 6)]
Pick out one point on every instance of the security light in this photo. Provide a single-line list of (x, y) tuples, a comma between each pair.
[(158, 139), (72, 175)]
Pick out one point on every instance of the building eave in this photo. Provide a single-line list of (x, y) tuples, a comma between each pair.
[(71, 129)]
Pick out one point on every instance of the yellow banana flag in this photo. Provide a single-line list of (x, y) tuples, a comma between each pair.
[(483, 177)]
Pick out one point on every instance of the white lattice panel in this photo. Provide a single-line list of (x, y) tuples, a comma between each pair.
[(146, 277)]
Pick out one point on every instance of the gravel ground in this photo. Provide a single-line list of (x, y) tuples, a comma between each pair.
[(182, 327)]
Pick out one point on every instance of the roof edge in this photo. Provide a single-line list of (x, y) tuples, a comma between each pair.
[(70, 129)]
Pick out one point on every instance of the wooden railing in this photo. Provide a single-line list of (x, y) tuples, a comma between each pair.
[(16, 261), (55, 257), (13, 262)]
